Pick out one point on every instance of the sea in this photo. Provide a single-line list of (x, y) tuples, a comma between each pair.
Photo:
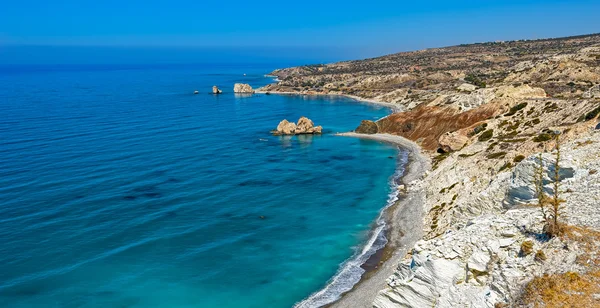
[(120, 187)]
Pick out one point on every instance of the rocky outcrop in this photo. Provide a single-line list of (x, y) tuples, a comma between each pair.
[(467, 87), (242, 88), (477, 266), (216, 90), (305, 126), (454, 141), (593, 92), (367, 127), (473, 256)]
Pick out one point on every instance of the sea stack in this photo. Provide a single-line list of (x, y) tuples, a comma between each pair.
[(242, 88), (304, 127), (216, 90)]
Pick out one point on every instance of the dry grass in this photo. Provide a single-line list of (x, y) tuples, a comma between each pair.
[(588, 242), (570, 289), (564, 290), (526, 248)]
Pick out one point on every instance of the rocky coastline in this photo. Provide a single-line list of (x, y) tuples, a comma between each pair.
[(481, 115)]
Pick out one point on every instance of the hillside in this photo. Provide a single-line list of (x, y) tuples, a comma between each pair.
[(484, 113)]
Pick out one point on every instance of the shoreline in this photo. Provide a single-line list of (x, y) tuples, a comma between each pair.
[(392, 106), (404, 220), (399, 225)]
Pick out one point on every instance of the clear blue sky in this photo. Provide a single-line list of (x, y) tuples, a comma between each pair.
[(360, 28)]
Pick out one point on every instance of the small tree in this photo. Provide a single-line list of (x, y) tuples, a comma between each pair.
[(554, 227), (551, 207)]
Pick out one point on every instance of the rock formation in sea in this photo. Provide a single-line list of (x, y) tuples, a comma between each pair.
[(305, 126), (367, 127), (242, 88), (216, 90)]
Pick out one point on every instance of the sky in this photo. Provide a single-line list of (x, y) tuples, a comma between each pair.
[(314, 29)]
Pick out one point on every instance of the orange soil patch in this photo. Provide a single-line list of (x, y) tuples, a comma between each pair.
[(425, 124)]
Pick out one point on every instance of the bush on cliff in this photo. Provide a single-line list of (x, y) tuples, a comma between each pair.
[(516, 108), (487, 135), (474, 80)]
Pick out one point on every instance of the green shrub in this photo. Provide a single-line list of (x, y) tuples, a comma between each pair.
[(516, 108), (474, 80), (487, 135), (592, 114), (479, 128), (506, 166), (542, 137), (496, 155), (519, 158), (467, 155), (491, 146)]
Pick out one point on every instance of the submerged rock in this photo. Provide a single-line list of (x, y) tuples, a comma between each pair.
[(216, 90), (305, 126), (242, 88), (367, 127)]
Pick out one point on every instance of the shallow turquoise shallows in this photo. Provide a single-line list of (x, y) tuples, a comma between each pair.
[(121, 188)]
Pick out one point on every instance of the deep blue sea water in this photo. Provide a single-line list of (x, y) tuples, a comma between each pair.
[(120, 188)]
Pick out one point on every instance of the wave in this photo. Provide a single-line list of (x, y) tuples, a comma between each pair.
[(351, 271)]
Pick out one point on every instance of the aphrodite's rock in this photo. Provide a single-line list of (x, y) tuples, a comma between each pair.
[(305, 126), (367, 127), (286, 128), (216, 90), (242, 88), (454, 141)]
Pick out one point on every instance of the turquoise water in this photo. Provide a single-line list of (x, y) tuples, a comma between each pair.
[(120, 188)]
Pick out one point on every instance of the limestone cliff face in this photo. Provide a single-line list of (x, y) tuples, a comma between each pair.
[(477, 261)]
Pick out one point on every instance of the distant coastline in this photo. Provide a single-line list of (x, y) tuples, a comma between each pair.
[(393, 107)]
